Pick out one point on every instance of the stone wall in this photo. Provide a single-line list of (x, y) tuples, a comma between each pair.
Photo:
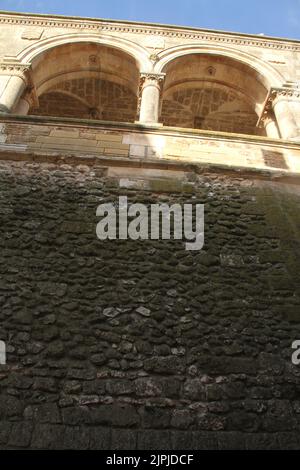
[(123, 344), (55, 138)]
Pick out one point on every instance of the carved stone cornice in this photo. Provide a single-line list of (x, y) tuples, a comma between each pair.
[(285, 92), (274, 94), (86, 24)]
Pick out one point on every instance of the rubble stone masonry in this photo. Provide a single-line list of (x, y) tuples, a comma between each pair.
[(141, 344)]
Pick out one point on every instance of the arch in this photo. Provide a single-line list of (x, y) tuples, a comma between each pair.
[(270, 76), (136, 51), (223, 88), (89, 58), (107, 100)]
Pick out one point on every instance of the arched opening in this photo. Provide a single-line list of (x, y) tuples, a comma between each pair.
[(212, 92), (87, 81)]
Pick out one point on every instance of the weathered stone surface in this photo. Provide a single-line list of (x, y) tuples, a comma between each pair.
[(20, 435), (115, 415), (149, 440), (123, 439), (155, 418), (46, 413), (10, 406), (208, 368)]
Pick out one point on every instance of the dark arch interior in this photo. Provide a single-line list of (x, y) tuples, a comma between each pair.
[(201, 91), (211, 92)]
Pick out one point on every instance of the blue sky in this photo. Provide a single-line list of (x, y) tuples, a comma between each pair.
[(271, 17)]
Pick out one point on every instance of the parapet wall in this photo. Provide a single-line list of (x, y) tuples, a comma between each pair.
[(95, 141)]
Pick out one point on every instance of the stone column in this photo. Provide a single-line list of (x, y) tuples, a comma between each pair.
[(28, 100), (288, 127), (270, 125), (150, 95), (22, 107), (13, 82)]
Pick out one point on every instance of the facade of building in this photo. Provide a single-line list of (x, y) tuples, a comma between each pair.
[(125, 344)]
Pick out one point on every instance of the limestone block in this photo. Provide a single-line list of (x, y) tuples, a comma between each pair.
[(112, 144), (67, 141), (32, 33), (109, 137), (137, 150), (72, 133), (115, 151)]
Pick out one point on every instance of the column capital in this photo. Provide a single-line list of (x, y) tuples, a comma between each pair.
[(156, 78), (284, 92), (274, 95), (16, 69)]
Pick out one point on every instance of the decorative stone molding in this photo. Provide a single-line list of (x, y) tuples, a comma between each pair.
[(154, 58), (271, 76), (274, 94), (266, 119), (154, 30), (286, 92), (133, 49), (16, 69), (153, 77)]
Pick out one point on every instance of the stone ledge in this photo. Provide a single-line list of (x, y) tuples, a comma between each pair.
[(134, 127), (18, 154)]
